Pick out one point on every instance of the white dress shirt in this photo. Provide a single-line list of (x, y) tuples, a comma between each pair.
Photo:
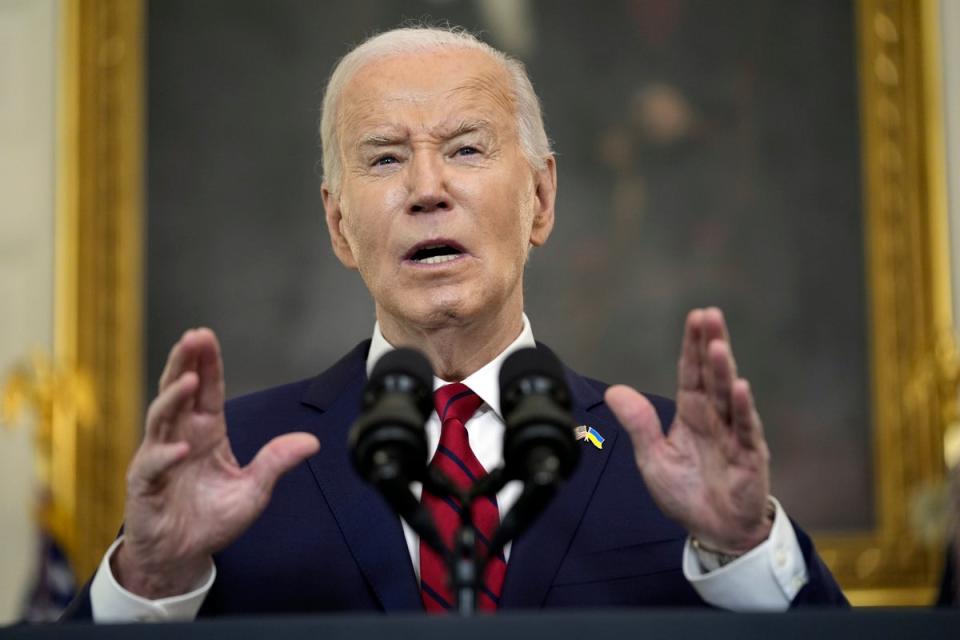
[(765, 579)]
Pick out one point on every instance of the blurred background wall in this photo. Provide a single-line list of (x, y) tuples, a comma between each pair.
[(950, 19), (28, 50), (706, 156)]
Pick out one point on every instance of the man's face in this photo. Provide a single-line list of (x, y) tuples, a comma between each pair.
[(437, 205)]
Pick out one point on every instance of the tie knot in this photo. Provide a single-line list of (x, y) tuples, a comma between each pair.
[(455, 401)]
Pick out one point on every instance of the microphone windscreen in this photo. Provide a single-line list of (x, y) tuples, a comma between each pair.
[(538, 361), (538, 442), (403, 361)]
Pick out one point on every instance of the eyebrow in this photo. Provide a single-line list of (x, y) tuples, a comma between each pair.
[(377, 140), (389, 140)]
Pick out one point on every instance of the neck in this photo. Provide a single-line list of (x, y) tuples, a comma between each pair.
[(458, 347)]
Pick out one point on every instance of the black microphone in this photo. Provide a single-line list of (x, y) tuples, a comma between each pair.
[(388, 443), (539, 446)]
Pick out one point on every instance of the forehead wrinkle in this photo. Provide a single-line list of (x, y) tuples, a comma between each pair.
[(355, 112), (393, 135), (490, 85), (367, 113), (449, 130)]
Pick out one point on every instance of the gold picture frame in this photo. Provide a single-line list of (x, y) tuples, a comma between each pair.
[(100, 285), (909, 301), (98, 327)]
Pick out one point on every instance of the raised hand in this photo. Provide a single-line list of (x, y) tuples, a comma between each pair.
[(711, 472), (186, 495)]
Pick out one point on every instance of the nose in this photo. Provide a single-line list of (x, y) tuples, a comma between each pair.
[(427, 184)]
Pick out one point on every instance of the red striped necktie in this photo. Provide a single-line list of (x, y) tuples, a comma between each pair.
[(455, 404)]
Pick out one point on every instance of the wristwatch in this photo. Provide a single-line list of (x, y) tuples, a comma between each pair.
[(713, 559)]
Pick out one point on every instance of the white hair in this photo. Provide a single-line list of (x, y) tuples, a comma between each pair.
[(532, 135)]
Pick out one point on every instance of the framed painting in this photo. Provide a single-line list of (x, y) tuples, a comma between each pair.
[(783, 161)]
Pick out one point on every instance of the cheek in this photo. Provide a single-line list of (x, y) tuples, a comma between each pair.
[(521, 221), (352, 230), (361, 220), (368, 209), (512, 203), (368, 244)]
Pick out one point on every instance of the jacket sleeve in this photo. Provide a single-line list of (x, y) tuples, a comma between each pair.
[(821, 588)]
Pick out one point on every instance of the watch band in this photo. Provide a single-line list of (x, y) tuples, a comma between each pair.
[(713, 559)]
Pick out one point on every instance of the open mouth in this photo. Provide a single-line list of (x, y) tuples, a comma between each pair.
[(435, 253)]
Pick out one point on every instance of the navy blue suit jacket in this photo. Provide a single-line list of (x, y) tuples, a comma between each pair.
[(328, 541)]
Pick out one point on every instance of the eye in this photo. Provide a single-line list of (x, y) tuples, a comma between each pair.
[(467, 150), (385, 160)]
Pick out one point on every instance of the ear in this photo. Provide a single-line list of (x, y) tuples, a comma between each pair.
[(545, 196), (334, 216)]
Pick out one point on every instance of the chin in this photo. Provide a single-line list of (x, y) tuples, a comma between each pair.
[(439, 313), (440, 307), (444, 316)]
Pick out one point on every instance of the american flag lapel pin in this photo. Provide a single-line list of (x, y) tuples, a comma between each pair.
[(589, 434)]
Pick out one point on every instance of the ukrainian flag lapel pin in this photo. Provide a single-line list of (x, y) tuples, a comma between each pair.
[(591, 435)]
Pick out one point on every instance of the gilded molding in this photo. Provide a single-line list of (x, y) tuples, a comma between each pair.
[(910, 322), (98, 307)]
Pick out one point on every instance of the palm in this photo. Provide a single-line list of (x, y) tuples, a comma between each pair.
[(187, 497), (208, 499), (710, 473)]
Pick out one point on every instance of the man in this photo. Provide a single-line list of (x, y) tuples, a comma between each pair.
[(438, 180)]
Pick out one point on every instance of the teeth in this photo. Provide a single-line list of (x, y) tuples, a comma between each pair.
[(437, 259)]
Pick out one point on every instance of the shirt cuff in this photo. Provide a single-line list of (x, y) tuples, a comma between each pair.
[(112, 603), (766, 578)]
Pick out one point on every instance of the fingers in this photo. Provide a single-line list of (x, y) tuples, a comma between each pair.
[(745, 420), (181, 358), (689, 368), (175, 398), (279, 456), (715, 325), (706, 359), (198, 350), (707, 366), (703, 326), (155, 460), (210, 395), (714, 329), (638, 417), (722, 375)]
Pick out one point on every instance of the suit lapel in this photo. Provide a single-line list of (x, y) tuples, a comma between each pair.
[(372, 531), (536, 555)]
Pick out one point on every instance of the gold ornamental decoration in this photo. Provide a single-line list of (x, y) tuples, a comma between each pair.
[(99, 253), (909, 298), (62, 405)]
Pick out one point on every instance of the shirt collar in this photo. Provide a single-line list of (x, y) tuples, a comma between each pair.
[(485, 381)]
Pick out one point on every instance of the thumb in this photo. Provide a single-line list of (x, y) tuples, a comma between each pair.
[(638, 417), (280, 455)]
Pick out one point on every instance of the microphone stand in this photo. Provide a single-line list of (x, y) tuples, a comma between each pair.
[(464, 564)]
